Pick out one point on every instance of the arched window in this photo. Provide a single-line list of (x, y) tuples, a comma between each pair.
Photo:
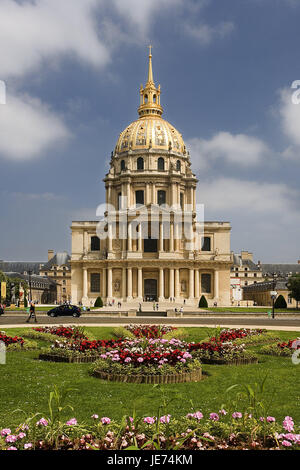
[(178, 165), (140, 163), (154, 98), (95, 244), (146, 99), (160, 164), (122, 165)]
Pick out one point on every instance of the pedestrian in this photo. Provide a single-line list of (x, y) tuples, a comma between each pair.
[(157, 306), (31, 313)]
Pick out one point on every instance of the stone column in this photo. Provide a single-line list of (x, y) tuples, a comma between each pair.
[(128, 195), (129, 237), (129, 283), (161, 237), (216, 284), (85, 242), (153, 194), (85, 286), (177, 284), (103, 283), (161, 285), (124, 284), (140, 240), (110, 242), (191, 284), (197, 283), (140, 284), (171, 283), (109, 283), (171, 244)]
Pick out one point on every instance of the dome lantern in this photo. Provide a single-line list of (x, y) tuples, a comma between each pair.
[(150, 95)]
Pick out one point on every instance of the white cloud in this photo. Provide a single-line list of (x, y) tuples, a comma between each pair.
[(239, 149), (232, 194), (28, 127), (290, 123), (205, 33), (34, 32)]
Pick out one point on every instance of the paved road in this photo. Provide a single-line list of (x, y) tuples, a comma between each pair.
[(11, 319)]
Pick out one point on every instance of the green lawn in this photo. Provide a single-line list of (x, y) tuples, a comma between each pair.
[(251, 309), (26, 383)]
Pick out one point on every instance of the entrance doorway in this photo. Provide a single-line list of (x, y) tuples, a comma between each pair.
[(150, 290)]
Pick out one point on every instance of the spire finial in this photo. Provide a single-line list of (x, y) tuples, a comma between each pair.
[(150, 72)]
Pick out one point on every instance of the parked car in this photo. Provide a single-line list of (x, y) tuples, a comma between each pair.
[(64, 311)]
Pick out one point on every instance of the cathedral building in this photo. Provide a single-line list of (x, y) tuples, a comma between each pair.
[(152, 243)]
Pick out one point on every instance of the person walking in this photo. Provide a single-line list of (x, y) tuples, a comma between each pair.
[(31, 313)]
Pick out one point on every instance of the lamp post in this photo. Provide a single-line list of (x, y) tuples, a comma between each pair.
[(29, 275), (273, 294)]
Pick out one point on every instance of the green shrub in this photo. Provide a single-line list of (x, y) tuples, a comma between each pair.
[(203, 302), (280, 302), (121, 332), (98, 302), (27, 345)]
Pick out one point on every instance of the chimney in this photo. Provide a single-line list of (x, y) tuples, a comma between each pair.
[(50, 254)]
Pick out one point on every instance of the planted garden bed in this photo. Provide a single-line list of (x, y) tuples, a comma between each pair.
[(194, 376)]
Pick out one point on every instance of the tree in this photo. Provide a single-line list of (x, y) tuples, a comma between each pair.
[(293, 286), (98, 302), (280, 302), (203, 302)]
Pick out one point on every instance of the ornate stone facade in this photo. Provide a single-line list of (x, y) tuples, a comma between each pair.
[(153, 255)]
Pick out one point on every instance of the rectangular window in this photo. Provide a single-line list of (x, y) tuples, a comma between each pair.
[(181, 200), (95, 244), (139, 197), (206, 283), (206, 244), (161, 197), (95, 282)]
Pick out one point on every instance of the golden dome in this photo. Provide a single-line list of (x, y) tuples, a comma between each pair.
[(150, 130)]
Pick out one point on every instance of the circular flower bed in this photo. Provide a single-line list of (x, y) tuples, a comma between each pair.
[(148, 357)]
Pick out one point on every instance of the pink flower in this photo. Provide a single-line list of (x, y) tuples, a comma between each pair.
[(262, 418), (149, 420), (140, 359), (270, 419), (42, 422), (286, 443), (72, 422), (28, 445), (165, 419), (95, 416), (12, 448), (214, 417), (128, 359), (5, 432), (223, 412), (105, 420), (288, 424), (237, 415), (21, 435), (11, 438)]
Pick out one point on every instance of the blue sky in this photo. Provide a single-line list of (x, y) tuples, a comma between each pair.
[(73, 70)]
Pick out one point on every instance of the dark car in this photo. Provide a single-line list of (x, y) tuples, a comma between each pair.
[(65, 311)]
